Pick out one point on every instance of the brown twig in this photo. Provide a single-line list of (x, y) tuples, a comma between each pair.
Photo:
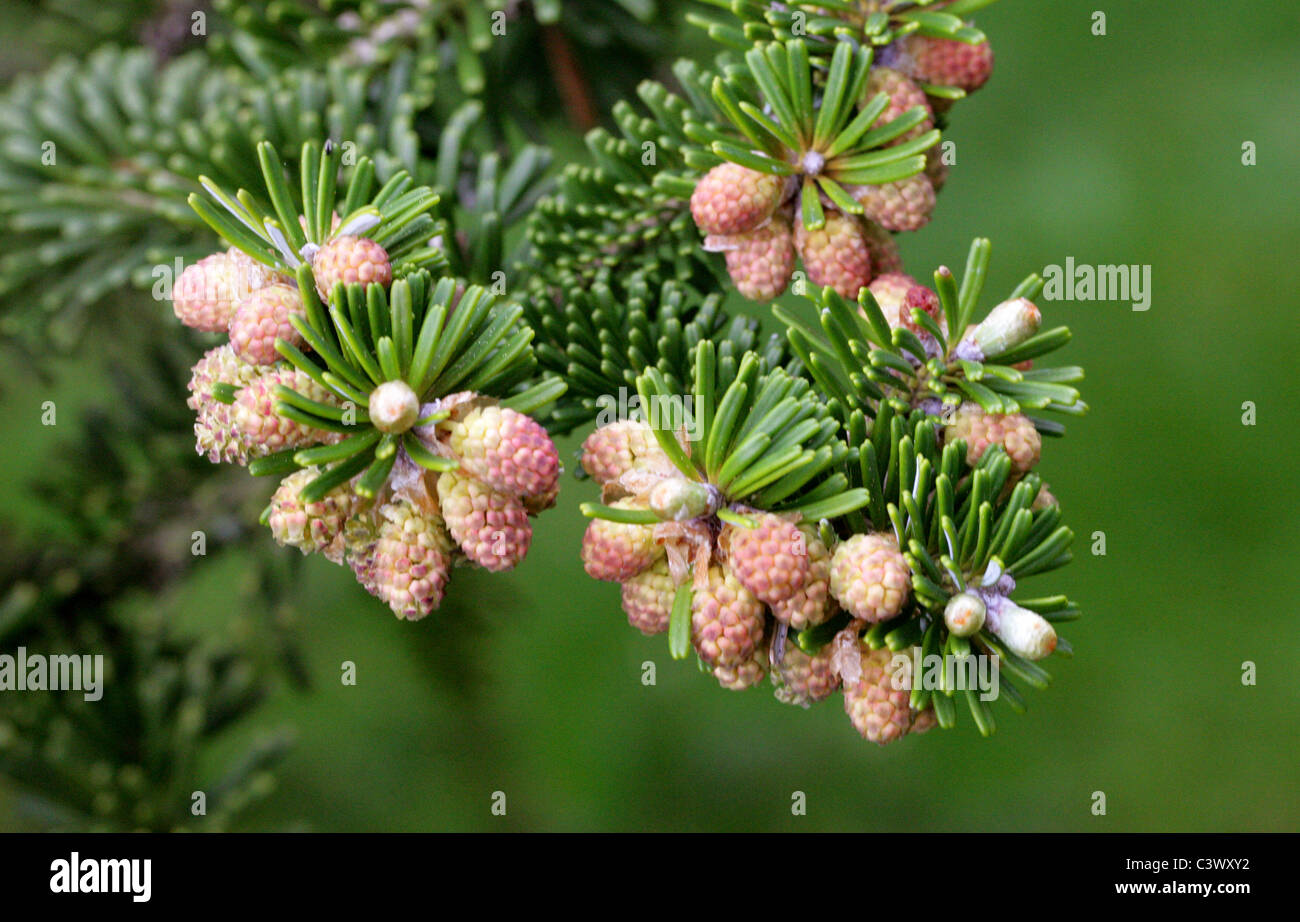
[(569, 79)]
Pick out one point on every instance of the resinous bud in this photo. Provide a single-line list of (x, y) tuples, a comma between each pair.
[(1025, 633), (964, 614), (1007, 326), (394, 407), (676, 499)]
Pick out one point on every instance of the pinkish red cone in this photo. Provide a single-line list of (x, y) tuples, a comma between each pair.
[(732, 199), (350, 260), (261, 319)]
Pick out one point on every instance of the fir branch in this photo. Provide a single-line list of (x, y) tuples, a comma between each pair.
[(864, 360), (740, 24), (99, 154), (600, 335), (125, 506)]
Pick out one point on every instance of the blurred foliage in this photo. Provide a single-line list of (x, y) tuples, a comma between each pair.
[(1122, 148), (126, 507), (101, 154), (51, 27), (102, 146), (536, 53)]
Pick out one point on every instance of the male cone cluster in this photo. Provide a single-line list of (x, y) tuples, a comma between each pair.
[(248, 427), (402, 542), (746, 581), (751, 221), (233, 293), (752, 585), (761, 583), (753, 217)]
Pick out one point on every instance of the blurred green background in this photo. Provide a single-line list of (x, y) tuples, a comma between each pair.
[(1122, 148)]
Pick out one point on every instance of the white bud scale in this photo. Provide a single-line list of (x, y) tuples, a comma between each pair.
[(394, 407)]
